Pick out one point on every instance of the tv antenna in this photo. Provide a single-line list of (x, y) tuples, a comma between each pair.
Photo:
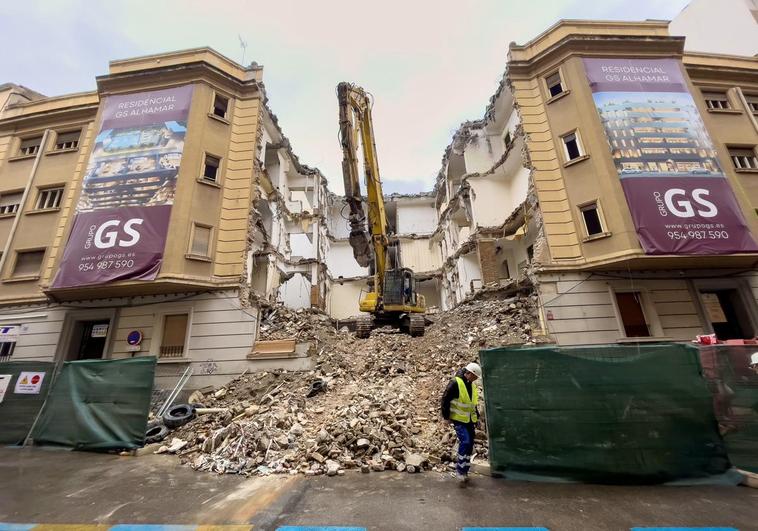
[(243, 45)]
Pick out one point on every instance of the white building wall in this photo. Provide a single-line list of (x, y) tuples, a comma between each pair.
[(723, 26), (40, 328), (301, 246), (296, 292), (341, 263), (344, 298), (414, 217), (580, 307)]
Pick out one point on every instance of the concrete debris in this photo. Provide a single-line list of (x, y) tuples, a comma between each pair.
[(380, 410)]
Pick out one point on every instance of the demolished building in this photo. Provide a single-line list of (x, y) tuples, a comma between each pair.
[(587, 174), (533, 195)]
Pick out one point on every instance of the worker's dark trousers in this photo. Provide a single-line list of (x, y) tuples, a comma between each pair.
[(465, 433)]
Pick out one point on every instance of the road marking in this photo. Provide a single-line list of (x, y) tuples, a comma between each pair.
[(505, 529), (121, 527), (317, 528)]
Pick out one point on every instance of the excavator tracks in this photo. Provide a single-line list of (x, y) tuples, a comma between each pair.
[(416, 325), (363, 326)]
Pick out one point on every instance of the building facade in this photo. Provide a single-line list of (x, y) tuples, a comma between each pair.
[(613, 173), (602, 140), (242, 226)]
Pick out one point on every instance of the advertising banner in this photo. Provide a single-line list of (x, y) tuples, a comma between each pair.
[(681, 201), (122, 216)]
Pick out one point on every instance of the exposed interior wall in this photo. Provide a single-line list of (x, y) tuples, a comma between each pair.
[(469, 275), (344, 298), (341, 263), (415, 217), (296, 292), (431, 289), (420, 255)]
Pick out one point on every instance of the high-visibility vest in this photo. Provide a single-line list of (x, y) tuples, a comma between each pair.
[(463, 408)]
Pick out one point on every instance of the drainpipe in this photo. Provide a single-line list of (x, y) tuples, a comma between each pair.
[(747, 107), (12, 233)]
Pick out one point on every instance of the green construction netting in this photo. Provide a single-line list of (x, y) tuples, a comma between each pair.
[(18, 410), (734, 386), (98, 405), (602, 414)]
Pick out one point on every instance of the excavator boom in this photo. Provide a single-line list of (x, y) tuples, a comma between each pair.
[(394, 298)]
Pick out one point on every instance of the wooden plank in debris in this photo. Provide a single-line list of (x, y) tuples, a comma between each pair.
[(274, 347)]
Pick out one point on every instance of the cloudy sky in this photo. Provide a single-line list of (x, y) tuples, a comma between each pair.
[(429, 64)]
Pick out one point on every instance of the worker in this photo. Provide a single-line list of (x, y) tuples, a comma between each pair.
[(459, 406), (754, 362)]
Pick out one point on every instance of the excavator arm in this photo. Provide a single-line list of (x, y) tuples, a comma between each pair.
[(368, 237)]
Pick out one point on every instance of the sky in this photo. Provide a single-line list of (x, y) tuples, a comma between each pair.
[(430, 65)]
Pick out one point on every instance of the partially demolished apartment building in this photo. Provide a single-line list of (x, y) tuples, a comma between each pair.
[(612, 172), (155, 215), (619, 175)]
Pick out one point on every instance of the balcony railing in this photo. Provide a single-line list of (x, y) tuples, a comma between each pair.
[(171, 351)]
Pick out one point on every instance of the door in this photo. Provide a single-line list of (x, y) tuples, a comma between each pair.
[(89, 339), (727, 314)]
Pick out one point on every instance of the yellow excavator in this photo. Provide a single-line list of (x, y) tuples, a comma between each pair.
[(393, 299)]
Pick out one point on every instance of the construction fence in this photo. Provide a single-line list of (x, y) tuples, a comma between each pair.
[(620, 414), (87, 405)]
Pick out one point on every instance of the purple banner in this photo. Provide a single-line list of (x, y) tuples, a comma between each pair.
[(680, 200), (123, 212)]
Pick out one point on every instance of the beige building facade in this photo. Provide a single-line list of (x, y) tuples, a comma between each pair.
[(542, 158), (244, 223)]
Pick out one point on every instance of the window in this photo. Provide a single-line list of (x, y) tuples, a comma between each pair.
[(743, 158), (571, 145), (201, 241), (6, 350), (632, 316), (30, 146), (727, 313), (210, 168), (554, 84), (10, 203), (174, 335), (49, 198), (68, 140), (220, 105), (591, 216), (28, 263), (716, 100)]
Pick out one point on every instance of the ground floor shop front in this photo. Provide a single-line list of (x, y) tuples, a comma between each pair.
[(586, 308), (211, 333)]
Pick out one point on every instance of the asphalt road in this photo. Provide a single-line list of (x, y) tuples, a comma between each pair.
[(57, 486)]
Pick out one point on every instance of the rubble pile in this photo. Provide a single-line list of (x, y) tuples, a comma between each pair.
[(370, 404)]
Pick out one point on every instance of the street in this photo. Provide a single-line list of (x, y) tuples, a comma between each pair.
[(88, 488)]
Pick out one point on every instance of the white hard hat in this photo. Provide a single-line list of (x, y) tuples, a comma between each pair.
[(475, 369), (754, 359)]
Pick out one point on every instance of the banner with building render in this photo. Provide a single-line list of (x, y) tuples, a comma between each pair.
[(122, 216), (681, 201)]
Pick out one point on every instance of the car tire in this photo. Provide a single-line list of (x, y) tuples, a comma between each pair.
[(155, 433), (178, 415)]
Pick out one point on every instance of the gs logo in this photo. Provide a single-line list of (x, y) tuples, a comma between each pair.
[(675, 201), (109, 234)]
